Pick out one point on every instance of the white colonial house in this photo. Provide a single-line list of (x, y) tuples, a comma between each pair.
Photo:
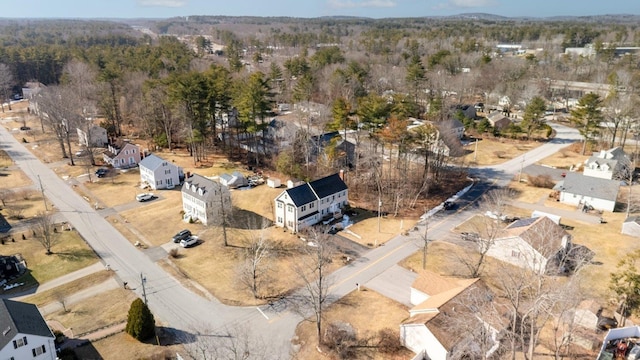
[(607, 164), (580, 191), (95, 136), (159, 173), (123, 156), (530, 243), (205, 200), (25, 334), (436, 298), (307, 204)]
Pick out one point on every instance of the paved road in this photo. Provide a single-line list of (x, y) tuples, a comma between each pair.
[(275, 325)]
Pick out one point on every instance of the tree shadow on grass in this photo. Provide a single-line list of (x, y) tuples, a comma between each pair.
[(76, 255)]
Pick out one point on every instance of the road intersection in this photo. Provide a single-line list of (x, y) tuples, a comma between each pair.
[(186, 312)]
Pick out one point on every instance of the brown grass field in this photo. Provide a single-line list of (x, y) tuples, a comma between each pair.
[(490, 148), (356, 309), (122, 346), (70, 253), (50, 296)]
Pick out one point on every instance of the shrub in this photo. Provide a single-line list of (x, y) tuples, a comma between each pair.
[(174, 253), (541, 181), (388, 341), (341, 338), (140, 322)]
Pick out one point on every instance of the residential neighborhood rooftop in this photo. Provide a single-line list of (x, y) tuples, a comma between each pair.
[(19, 317)]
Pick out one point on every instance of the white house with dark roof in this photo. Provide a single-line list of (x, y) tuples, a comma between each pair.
[(580, 190), (530, 243), (607, 164), (25, 334), (159, 173), (307, 204), (203, 200), (122, 156), (631, 226)]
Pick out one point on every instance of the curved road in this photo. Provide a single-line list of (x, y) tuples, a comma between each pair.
[(274, 326)]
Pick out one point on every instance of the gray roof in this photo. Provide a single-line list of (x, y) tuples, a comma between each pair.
[(21, 318), (208, 187), (151, 162), (576, 183), (610, 157)]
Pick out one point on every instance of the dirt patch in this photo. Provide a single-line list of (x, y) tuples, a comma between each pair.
[(356, 309)]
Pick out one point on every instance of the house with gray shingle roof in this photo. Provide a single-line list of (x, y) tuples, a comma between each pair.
[(25, 334), (607, 164), (307, 204), (159, 173), (580, 190), (205, 200), (631, 226)]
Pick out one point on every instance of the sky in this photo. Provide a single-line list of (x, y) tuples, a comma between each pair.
[(309, 8)]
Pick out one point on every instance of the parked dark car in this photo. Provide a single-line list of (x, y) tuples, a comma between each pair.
[(182, 235), (448, 205), (102, 172)]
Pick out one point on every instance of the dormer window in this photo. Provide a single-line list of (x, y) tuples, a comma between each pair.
[(200, 191)]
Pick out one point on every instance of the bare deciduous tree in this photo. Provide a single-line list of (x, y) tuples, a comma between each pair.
[(233, 343), (313, 271), (45, 231), (254, 271)]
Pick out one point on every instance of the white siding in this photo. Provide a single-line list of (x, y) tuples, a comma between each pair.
[(26, 351), (516, 251), (417, 338), (599, 204)]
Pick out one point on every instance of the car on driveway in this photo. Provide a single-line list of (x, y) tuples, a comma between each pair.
[(181, 235), (144, 197), (190, 241)]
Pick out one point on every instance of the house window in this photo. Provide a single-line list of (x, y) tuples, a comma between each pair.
[(333, 197), (19, 342), (279, 219), (311, 205), (304, 208), (167, 172), (126, 152), (39, 351), (515, 254), (290, 223), (290, 208), (279, 205)]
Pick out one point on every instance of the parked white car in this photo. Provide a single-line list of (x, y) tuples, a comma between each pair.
[(190, 241), (144, 197)]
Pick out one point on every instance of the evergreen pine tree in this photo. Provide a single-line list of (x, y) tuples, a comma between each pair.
[(140, 322)]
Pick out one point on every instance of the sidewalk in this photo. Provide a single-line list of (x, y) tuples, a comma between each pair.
[(78, 274), (77, 297)]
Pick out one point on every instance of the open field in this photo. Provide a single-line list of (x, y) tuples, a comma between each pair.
[(108, 308), (367, 229), (116, 189), (22, 204), (70, 253), (356, 309), (216, 267), (493, 151)]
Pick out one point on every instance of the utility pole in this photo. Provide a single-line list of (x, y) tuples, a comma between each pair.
[(44, 199), (143, 280)]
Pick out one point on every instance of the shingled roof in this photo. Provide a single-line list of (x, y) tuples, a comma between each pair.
[(21, 318), (576, 183), (318, 189)]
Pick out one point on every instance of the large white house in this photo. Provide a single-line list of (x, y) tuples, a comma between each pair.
[(307, 204), (205, 200), (607, 164), (25, 334), (159, 173), (530, 243), (580, 190)]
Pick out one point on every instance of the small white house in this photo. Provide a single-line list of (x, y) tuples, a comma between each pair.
[(159, 173), (530, 243), (580, 190), (304, 205), (631, 226), (25, 334), (95, 136)]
